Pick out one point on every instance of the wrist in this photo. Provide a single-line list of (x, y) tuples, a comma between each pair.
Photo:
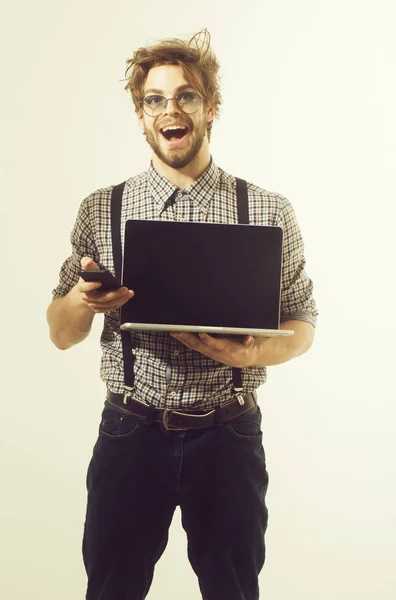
[(266, 351), (82, 314)]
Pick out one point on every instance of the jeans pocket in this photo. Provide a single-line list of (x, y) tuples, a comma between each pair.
[(115, 425), (247, 426)]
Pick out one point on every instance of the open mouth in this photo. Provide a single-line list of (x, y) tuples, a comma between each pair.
[(174, 134)]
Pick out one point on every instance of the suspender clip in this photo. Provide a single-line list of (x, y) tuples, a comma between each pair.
[(240, 399), (128, 394)]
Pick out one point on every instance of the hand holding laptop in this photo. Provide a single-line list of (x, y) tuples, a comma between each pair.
[(239, 354)]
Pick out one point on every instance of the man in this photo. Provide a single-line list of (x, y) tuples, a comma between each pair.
[(141, 469)]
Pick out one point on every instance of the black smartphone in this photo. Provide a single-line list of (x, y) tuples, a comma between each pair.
[(107, 279)]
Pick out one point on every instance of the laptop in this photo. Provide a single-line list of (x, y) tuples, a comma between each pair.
[(221, 279)]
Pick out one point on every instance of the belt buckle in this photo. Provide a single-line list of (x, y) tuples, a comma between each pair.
[(165, 421)]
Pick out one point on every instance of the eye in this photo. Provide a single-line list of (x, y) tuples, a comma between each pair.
[(187, 96), (153, 100)]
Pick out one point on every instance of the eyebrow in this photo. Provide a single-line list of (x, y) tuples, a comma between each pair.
[(178, 89)]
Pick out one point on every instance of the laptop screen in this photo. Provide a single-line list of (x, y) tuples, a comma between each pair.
[(206, 274)]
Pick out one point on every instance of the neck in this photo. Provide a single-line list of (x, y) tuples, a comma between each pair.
[(186, 175)]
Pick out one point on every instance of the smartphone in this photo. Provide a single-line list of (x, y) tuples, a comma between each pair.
[(107, 279)]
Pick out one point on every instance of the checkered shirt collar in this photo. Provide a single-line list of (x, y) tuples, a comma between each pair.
[(201, 191)]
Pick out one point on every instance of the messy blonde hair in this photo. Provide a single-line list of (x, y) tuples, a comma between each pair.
[(199, 65)]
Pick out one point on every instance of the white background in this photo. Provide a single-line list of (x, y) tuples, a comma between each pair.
[(309, 112)]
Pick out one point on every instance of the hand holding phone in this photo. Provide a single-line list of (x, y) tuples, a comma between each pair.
[(107, 296), (103, 276)]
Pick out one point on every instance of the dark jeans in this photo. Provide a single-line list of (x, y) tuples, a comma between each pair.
[(137, 476)]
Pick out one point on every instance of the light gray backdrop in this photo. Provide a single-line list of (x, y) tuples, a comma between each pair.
[(309, 98)]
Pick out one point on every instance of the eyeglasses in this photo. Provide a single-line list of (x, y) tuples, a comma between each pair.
[(188, 102)]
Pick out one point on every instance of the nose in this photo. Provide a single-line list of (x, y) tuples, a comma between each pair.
[(171, 106)]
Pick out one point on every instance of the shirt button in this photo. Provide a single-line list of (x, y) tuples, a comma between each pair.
[(185, 197), (176, 353), (172, 394)]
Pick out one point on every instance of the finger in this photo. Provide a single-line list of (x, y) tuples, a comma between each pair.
[(108, 306), (88, 286), (188, 339), (222, 342), (87, 263), (200, 341), (105, 301), (109, 296), (209, 340)]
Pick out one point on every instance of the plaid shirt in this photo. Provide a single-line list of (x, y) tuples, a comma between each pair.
[(167, 373)]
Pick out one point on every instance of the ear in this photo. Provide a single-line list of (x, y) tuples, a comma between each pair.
[(210, 113), (139, 115)]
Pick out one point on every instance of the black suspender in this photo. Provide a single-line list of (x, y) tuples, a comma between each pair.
[(116, 204), (242, 202)]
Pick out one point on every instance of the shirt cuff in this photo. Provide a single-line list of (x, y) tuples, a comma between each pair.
[(300, 316)]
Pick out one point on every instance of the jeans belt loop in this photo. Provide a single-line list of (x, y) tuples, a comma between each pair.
[(150, 416), (165, 420), (217, 415)]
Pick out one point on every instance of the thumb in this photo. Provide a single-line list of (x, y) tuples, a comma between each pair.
[(88, 263), (248, 340)]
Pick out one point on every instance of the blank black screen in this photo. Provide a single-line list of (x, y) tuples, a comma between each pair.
[(212, 274)]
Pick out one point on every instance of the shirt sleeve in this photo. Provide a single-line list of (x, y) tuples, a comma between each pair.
[(83, 244), (297, 301)]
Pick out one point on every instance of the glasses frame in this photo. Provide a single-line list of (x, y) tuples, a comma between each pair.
[(177, 103)]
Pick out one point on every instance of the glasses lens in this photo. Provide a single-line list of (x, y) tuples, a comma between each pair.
[(189, 102), (154, 105)]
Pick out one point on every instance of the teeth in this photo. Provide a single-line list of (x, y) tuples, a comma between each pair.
[(174, 127)]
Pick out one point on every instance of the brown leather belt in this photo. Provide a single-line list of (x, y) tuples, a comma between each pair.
[(175, 420)]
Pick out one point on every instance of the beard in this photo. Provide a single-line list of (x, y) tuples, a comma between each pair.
[(177, 158)]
